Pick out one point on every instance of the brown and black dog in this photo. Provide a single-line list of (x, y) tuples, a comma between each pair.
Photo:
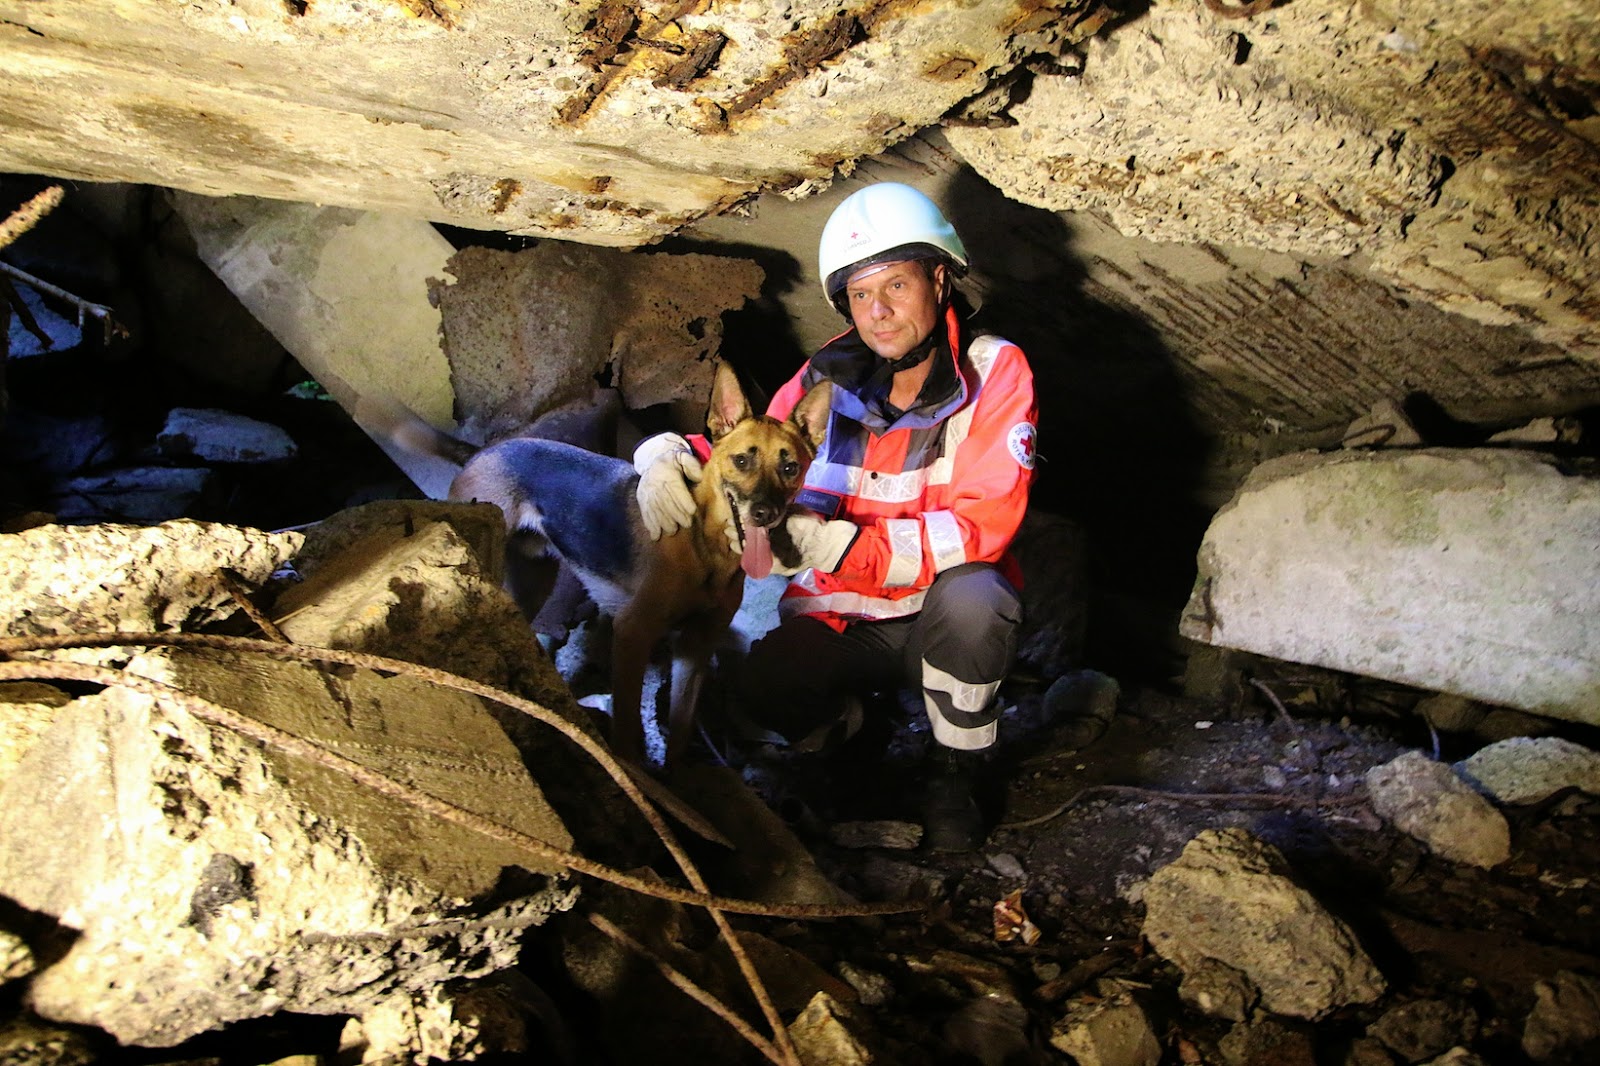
[(686, 585)]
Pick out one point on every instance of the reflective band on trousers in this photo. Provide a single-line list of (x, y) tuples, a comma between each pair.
[(970, 702)]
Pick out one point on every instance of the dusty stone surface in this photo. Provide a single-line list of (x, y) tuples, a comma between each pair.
[(213, 880), (73, 579), (146, 494), (16, 958), (1320, 128), (526, 332), (26, 710), (1471, 571), (1218, 990), (1565, 1023), (1426, 799), (430, 578), (1107, 1032), (1327, 129), (1426, 1028), (1530, 769), (821, 1034), (614, 121), (1255, 919), (307, 273), (220, 890), (222, 436), (441, 1024), (26, 1042), (480, 526)]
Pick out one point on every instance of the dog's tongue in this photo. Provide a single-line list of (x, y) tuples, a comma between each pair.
[(757, 558)]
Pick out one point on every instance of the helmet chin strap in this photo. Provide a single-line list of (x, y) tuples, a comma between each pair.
[(914, 356)]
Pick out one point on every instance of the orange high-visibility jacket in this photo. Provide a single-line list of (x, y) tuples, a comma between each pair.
[(945, 484)]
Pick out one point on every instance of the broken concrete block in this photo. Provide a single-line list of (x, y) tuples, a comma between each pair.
[(790, 977), (211, 881), (406, 594), (823, 1035), (47, 444), (1306, 962), (409, 580), (345, 292), (872, 989), (1107, 1032), (1451, 714), (1426, 1028), (26, 1042), (456, 1023), (1474, 571), (526, 332), (1265, 1039), (481, 525), (1218, 990), (1080, 706), (26, 710), (1542, 431), (81, 579), (16, 958), (774, 866), (222, 437), (993, 1027), (1384, 426), (132, 494), (1428, 801), (1530, 769), (884, 833), (1564, 1025)]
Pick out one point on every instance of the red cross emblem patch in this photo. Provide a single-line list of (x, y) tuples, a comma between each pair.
[(1020, 441)]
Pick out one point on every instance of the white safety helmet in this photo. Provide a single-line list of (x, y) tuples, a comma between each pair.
[(884, 223)]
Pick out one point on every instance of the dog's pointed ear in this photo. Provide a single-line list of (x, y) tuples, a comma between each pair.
[(728, 404), (811, 413)]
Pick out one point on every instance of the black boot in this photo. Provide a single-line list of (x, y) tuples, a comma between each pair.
[(951, 817)]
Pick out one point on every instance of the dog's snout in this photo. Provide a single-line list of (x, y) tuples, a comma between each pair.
[(764, 514)]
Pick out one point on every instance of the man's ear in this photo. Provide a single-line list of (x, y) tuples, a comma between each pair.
[(811, 413), (728, 404)]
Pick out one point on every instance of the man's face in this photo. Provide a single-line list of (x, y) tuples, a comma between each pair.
[(896, 306)]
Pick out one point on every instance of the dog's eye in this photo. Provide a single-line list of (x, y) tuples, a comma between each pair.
[(790, 469), (741, 461)]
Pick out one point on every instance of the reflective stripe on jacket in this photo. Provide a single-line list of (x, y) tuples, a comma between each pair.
[(936, 488)]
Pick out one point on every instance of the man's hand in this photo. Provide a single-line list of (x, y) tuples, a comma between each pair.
[(821, 544), (666, 465)]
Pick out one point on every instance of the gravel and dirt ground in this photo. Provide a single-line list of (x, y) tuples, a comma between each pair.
[(1085, 814)]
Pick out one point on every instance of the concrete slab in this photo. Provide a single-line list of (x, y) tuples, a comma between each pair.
[(346, 293), (1469, 571)]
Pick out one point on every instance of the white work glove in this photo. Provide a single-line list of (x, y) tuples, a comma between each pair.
[(666, 465), (822, 543)]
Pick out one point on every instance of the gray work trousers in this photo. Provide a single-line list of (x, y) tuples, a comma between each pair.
[(957, 650)]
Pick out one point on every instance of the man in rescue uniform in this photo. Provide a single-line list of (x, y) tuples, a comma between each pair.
[(905, 579)]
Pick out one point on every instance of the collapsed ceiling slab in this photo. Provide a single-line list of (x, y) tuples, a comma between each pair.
[(1450, 147), (1302, 178), (605, 122)]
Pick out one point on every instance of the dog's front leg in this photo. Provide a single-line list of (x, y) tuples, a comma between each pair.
[(691, 662), (632, 637)]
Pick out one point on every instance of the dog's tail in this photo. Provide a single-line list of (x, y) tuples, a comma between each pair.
[(388, 419)]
